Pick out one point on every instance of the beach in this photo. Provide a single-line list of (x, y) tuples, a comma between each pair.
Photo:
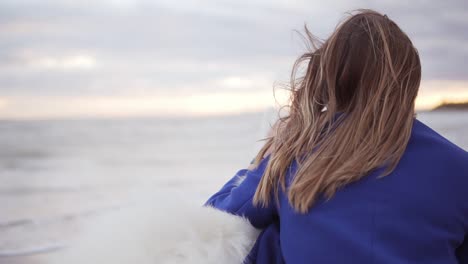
[(57, 174)]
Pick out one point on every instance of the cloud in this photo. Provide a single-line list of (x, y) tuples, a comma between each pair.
[(112, 48), (63, 63)]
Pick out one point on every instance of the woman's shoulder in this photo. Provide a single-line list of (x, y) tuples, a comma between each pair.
[(433, 155), (426, 139)]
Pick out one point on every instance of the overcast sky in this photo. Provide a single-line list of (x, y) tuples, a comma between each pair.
[(129, 57)]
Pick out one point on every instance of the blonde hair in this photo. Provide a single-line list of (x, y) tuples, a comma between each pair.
[(369, 70)]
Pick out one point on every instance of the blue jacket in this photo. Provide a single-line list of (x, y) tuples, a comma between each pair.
[(416, 214)]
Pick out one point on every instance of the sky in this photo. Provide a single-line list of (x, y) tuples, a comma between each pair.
[(114, 58)]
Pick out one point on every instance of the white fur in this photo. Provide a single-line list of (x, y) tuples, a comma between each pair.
[(165, 234)]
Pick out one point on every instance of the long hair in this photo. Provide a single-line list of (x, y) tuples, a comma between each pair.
[(350, 111)]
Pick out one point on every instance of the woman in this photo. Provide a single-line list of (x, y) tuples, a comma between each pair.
[(351, 175)]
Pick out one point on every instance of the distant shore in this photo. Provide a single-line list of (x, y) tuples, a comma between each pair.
[(451, 106)]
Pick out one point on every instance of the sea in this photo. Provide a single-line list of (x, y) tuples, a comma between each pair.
[(57, 174)]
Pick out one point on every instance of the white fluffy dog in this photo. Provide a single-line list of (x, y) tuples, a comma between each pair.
[(175, 232)]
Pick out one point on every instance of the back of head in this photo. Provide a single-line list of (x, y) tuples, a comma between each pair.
[(366, 75)]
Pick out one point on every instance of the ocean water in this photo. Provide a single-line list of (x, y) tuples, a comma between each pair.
[(54, 175)]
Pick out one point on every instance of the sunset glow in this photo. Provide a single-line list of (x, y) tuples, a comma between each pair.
[(44, 107)]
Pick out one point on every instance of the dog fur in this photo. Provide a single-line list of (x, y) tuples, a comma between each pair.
[(175, 232)]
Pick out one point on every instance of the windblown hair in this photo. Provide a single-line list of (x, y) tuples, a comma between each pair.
[(367, 75)]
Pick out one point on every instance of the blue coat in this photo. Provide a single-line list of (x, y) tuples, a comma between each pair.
[(416, 214)]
